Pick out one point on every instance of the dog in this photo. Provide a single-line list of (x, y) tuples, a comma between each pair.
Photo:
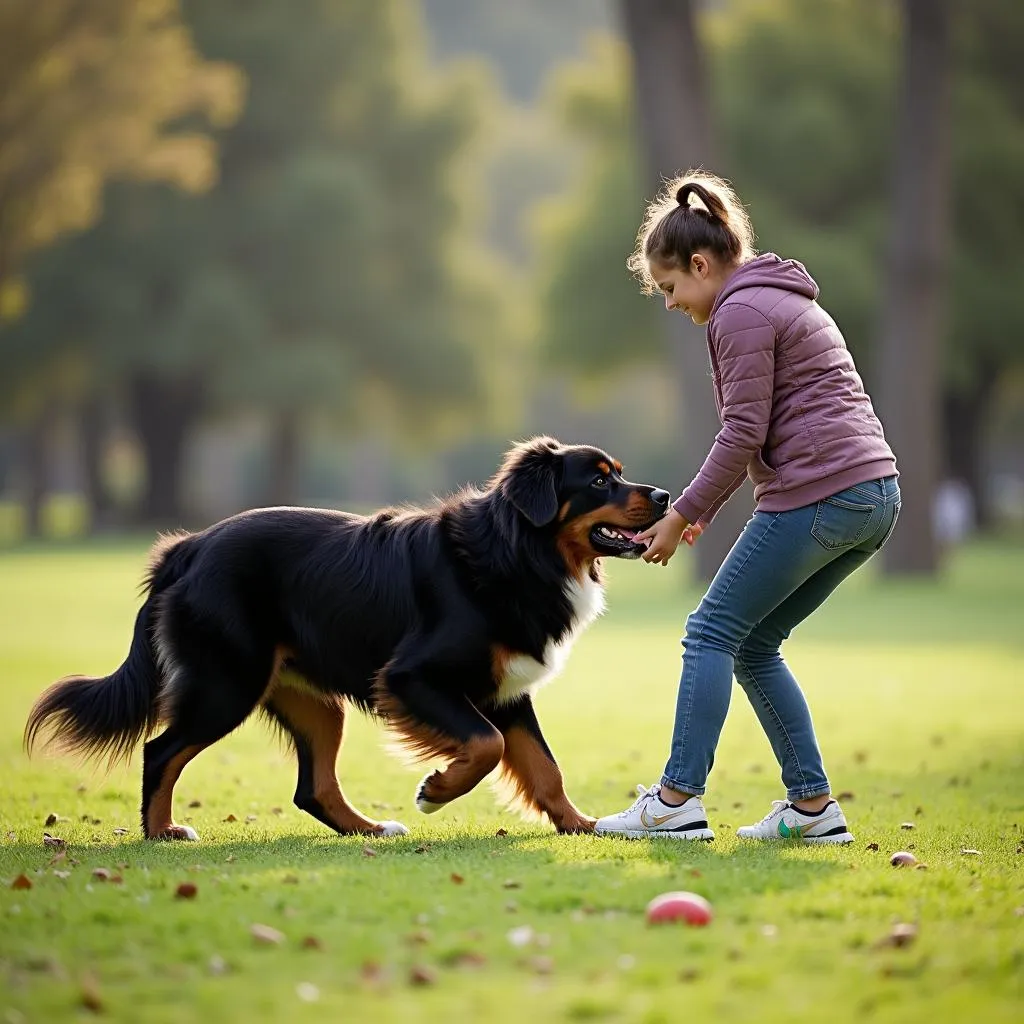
[(441, 621)]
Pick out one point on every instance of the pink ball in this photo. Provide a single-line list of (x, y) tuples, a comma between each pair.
[(902, 858), (679, 906)]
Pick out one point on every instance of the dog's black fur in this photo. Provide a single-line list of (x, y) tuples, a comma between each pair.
[(433, 619)]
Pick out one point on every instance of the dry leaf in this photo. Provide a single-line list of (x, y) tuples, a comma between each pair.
[(59, 856), (250, 817), (277, 810), (90, 996), (186, 891), (231, 817), (22, 882), (420, 975), (12, 836), (907, 825), (266, 935), (195, 803), (846, 795), (120, 831), (369, 851), (457, 879), (311, 942), (230, 859), (49, 840), (61, 874), (901, 936), (510, 884), (421, 849), (371, 971), (872, 846), (102, 874), (501, 832), (542, 964), (420, 937), (290, 880), (51, 819), (970, 853)]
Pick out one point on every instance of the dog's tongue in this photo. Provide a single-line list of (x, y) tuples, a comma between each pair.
[(627, 533)]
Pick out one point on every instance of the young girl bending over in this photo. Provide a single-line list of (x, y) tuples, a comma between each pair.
[(797, 420)]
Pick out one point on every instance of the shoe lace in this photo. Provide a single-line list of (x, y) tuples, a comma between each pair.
[(777, 807), (644, 793)]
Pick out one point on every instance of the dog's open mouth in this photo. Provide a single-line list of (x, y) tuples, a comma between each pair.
[(616, 541)]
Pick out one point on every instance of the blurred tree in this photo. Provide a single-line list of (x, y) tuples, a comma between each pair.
[(322, 277), (89, 92), (911, 327), (112, 89)]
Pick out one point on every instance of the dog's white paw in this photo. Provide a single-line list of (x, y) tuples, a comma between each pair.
[(423, 805), (392, 828)]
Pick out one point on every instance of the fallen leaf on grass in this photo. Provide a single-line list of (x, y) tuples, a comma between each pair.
[(90, 995), (369, 851), (502, 832), (102, 874), (290, 880), (420, 975), (277, 810), (907, 825), (231, 817), (22, 882), (901, 936), (51, 819), (61, 874), (195, 803), (970, 853), (186, 891), (311, 942), (511, 884), (49, 840), (265, 935), (12, 837), (230, 859), (251, 817), (120, 831), (457, 879), (846, 795), (541, 964), (420, 937), (371, 971), (872, 846), (421, 849)]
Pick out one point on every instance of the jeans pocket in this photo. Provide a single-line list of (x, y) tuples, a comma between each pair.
[(892, 526), (840, 523)]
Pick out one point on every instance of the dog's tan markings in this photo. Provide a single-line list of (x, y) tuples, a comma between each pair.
[(563, 512), (617, 465), (473, 762), (536, 782), (605, 468), (159, 820), (468, 763), (320, 721)]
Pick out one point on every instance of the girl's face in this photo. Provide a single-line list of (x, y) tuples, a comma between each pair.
[(693, 289)]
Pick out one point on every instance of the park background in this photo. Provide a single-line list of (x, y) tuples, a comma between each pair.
[(343, 253)]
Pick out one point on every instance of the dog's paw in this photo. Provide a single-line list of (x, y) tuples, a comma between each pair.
[(179, 832), (423, 805), (578, 823), (391, 828)]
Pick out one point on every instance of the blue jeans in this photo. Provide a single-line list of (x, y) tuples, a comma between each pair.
[(781, 568)]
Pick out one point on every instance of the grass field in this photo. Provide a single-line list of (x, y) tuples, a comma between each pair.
[(918, 694)]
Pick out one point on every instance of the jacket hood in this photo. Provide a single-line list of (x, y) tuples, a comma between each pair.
[(769, 271)]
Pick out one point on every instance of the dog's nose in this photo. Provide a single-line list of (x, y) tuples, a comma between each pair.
[(660, 498)]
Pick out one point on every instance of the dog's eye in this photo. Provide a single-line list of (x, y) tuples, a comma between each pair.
[(599, 481)]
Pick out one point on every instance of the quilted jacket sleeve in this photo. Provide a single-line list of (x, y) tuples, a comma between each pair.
[(743, 343)]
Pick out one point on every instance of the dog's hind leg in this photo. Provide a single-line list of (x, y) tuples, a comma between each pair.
[(316, 725), (211, 691), (530, 767)]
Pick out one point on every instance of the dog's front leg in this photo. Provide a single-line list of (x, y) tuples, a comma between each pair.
[(531, 767), (433, 722)]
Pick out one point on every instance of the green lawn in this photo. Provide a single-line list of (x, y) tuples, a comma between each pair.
[(918, 697)]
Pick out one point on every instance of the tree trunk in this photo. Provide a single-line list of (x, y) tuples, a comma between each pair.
[(964, 419), (164, 411), (675, 123), (910, 334), (92, 426), (36, 459), (283, 483)]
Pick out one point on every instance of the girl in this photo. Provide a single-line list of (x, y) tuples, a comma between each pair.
[(797, 420)]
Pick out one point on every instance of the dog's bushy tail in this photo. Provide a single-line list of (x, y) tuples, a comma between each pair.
[(108, 715)]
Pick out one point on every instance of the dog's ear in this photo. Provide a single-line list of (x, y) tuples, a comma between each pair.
[(529, 479)]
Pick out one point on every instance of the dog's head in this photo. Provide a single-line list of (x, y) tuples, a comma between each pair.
[(580, 493)]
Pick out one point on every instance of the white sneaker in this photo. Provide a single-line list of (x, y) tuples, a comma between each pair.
[(649, 816), (785, 821)]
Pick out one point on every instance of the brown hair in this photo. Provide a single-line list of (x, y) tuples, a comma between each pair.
[(674, 229)]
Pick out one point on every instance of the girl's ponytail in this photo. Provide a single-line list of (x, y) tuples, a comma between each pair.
[(675, 227)]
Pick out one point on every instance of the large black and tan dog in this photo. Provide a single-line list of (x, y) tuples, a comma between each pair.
[(440, 621)]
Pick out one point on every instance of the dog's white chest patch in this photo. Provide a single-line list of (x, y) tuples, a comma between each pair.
[(525, 674)]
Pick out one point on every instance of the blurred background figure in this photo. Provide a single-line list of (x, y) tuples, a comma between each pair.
[(341, 252)]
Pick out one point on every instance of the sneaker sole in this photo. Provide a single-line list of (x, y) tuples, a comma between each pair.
[(841, 839), (703, 834)]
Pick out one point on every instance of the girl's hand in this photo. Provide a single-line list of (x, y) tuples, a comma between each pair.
[(691, 533), (663, 537)]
